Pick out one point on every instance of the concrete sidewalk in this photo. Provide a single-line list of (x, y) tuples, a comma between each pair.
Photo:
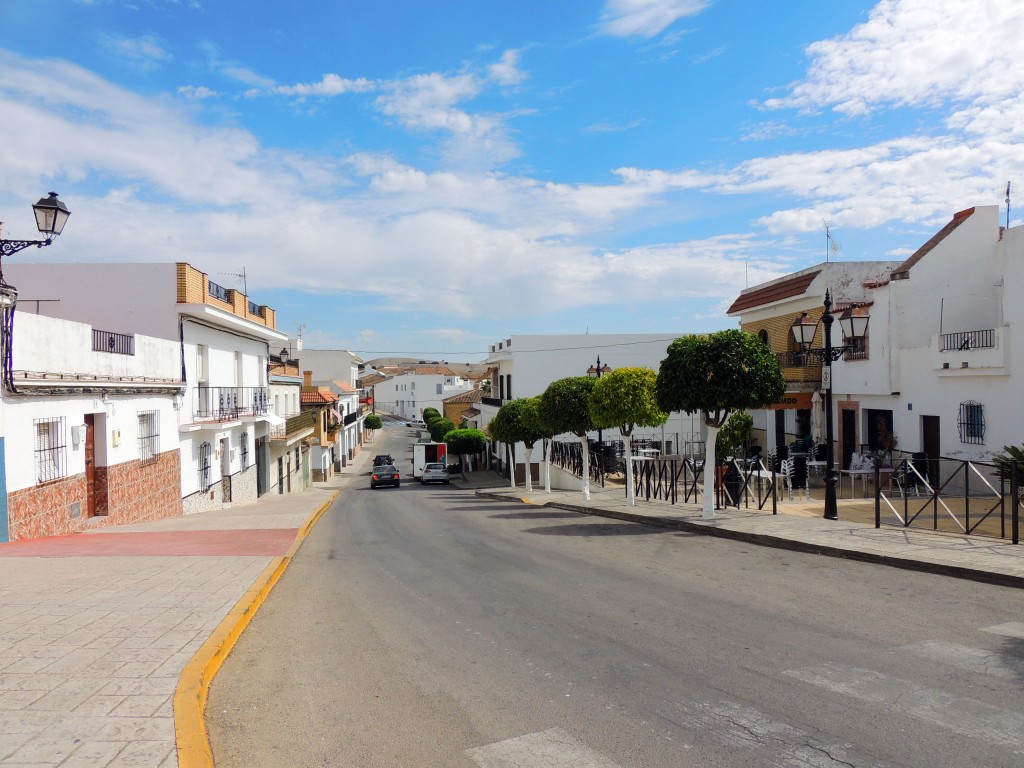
[(799, 526), (108, 638)]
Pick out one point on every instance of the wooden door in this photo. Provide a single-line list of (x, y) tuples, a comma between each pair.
[(930, 445), (90, 465), (849, 435)]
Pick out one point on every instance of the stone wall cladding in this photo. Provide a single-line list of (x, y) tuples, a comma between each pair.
[(243, 487), (127, 493)]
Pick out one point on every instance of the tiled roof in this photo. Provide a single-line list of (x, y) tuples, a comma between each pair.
[(470, 396), (344, 386), (317, 396), (784, 289), (902, 272), (470, 413)]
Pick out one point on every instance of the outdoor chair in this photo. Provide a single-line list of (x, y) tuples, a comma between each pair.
[(905, 479), (790, 472)]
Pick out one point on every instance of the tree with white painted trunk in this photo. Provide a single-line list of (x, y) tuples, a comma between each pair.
[(514, 424), (565, 407), (627, 398), (716, 375)]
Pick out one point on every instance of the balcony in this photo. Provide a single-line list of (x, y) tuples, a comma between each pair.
[(799, 366), (114, 343), (293, 425), (971, 353), (228, 403), (495, 402)]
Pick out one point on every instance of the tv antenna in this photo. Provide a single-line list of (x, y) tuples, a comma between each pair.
[(241, 276), (831, 246), (1009, 188)]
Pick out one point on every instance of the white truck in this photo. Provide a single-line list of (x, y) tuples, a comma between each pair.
[(427, 453)]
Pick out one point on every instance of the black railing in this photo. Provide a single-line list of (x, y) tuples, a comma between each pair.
[(967, 497), (255, 309), (797, 360), (115, 343), (225, 403), (351, 418), (217, 291), (569, 456), (955, 342), (497, 402)]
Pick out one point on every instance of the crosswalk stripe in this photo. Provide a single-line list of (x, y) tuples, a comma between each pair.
[(553, 748), (959, 714), (1010, 629), (970, 659)]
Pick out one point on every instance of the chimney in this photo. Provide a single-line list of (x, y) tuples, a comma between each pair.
[(307, 378)]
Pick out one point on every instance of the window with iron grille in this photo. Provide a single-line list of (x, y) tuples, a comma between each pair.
[(51, 450), (149, 436), (856, 348), (244, 450), (971, 422), (205, 454)]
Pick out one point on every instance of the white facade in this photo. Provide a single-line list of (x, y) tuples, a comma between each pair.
[(338, 369), (75, 402), (407, 394)]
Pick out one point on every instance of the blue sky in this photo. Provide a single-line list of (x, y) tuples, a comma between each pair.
[(404, 177)]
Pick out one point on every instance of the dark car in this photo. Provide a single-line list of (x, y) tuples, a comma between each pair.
[(382, 458), (385, 474)]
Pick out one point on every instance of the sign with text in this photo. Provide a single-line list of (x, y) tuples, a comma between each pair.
[(793, 401)]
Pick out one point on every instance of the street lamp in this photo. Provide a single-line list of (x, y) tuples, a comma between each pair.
[(854, 322), (51, 216), (595, 372)]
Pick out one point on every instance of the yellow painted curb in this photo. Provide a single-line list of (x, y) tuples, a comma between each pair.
[(193, 689)]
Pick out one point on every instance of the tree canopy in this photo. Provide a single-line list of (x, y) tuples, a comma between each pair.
[(717, 374), (373, 421), (463, 442), (626, 398), (517, 421), (565, 405), (438, 428)]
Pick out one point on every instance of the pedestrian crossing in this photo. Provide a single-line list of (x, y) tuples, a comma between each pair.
[(741, 728)]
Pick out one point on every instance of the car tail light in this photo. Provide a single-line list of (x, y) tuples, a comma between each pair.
[(376, 478)]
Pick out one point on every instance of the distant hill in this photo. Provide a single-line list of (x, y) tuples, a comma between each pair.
[(463, 369)]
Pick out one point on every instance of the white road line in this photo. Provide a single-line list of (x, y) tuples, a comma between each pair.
[(553, 748), (1010, 629), (970, 659), (959, 714)]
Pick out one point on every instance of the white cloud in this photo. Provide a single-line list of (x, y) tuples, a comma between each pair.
[(197, 92), (145, 52), (329, 85), (916, 53), (506, 71), (646, 18)]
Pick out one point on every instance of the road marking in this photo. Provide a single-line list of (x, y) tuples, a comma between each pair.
[(959, 714), (970, 659), (553, 748), (1011, 629)]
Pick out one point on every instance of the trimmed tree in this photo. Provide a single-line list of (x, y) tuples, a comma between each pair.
[(565, 407), (439, 428), (514, 426), (429, 414), (534, 424), (465, 442), (373, 422), (716, 375), (627, 398)]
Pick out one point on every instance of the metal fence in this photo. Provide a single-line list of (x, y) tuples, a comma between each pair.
[(569, 456)]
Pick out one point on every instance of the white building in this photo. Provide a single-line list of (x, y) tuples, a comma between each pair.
[(291, 429), (89, 424), (407, 394), (937, 368), (524, 366), (224, 341), (338, 370)]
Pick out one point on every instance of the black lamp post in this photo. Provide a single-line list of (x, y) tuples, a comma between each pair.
[(595, 372), (854, 322)]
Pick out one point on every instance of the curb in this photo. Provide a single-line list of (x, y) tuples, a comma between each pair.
[(778, 542), (193, 741)]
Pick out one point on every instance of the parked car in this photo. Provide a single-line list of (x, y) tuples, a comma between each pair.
[(385, 474), (416, 423), (382, 458), (434, 473)]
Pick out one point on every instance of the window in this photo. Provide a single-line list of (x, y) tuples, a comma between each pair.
[(856, 348), (202, 362), (244, 450), (971, 423), (763, 336), (440, 389), (51, 451), (149, 436), (205, 453)]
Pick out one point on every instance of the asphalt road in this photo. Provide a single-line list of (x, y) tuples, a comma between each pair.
[(427, 627)]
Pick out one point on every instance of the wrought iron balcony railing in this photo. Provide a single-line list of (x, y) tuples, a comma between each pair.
[(955, 342), (227, 403)]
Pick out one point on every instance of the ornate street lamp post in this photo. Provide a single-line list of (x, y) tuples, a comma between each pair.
[(595, 372), (854, 322), (51, 216)]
